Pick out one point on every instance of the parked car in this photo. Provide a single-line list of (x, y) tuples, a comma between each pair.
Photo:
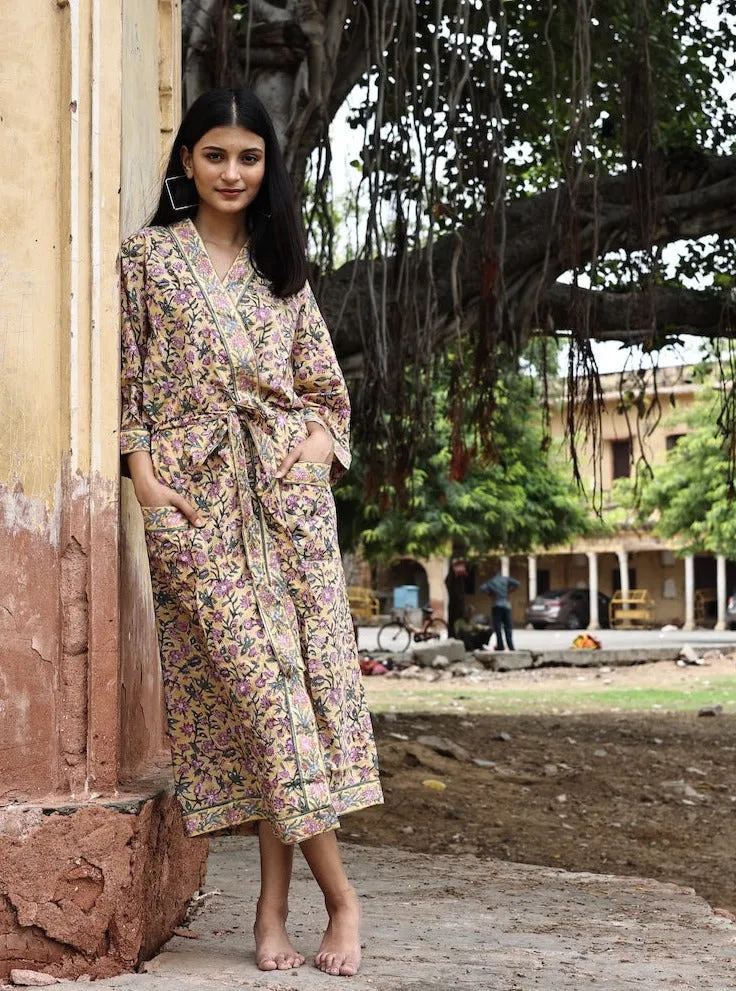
[(568, 608)]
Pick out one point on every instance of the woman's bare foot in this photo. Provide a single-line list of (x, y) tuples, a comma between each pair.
[(274, 950), (339, 952)]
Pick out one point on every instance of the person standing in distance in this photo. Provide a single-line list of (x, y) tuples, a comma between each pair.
[(500, 587)]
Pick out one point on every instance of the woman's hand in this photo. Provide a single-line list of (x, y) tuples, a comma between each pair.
[(319, 447), (150, 492)]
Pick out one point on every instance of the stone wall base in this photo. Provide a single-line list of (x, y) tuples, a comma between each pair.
[(93, 888)]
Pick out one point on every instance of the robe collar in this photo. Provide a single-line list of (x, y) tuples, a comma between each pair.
[(241, 271)]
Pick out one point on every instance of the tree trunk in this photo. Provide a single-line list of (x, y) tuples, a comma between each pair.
[(301, 60)]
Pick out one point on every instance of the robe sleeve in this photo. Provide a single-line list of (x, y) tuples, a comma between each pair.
[(135, 434), (318, 379)]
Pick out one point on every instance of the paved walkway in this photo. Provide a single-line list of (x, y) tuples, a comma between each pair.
[(542, 640), (456, 922)]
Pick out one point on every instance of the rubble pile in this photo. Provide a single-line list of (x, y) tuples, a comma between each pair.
[(444, 660)]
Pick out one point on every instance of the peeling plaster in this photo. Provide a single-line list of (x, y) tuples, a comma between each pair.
[(20, 512), (38, 648)]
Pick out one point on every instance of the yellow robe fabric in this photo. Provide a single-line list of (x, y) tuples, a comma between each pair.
[(266, 713)]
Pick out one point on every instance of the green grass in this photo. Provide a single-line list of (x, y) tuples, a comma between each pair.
[(592, 696)]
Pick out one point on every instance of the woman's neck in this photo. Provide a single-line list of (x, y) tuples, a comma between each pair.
[(227, 230)]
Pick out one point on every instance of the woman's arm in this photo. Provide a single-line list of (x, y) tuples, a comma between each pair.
[(319, 383), (134, 432), (135, 435)]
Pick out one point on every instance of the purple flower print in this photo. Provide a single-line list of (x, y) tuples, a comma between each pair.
[(236, 721)]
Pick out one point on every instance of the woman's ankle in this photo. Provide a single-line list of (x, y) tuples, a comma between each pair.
[(343, 898), (267, 908)]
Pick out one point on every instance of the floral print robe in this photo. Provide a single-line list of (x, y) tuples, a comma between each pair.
[(265, 705)]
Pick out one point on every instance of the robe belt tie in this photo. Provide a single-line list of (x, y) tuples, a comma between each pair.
[(254, 466)]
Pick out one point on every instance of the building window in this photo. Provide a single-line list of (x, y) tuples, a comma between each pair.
[(621, 450), (672, 440)]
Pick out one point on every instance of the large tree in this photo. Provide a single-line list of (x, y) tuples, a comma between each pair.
[(523, 168)]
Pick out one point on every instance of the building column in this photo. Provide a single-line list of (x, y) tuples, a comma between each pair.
[(623, 567), (436, 569), (594, 623), (623, 570), (721, 593), (689, 593), (505, 565), (531, 563)]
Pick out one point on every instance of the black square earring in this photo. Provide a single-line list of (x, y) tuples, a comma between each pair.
[(181, 187)]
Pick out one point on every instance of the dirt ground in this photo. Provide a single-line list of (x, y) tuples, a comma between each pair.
[(634, 793)]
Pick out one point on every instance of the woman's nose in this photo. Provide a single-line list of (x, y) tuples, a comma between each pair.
[(231, 170)]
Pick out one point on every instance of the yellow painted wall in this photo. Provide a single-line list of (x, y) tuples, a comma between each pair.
[(151, 98), (88, 91), (32, 129)]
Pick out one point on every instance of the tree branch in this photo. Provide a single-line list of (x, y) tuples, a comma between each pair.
[(696, 201), (646, 317)]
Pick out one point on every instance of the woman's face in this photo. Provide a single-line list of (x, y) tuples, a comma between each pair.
[(228, 165)]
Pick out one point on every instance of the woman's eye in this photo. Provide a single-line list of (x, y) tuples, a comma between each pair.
[(213, 156)]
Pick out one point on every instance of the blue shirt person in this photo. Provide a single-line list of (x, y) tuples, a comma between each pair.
[(500, 587)]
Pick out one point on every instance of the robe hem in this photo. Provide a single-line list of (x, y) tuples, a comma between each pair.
[(238, 813)]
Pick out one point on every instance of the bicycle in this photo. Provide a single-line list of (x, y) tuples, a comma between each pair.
[(397, 635)]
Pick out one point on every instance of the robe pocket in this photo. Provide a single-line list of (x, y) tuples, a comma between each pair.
[(309, 472), (163, 518), (172, 545), (309, 510)]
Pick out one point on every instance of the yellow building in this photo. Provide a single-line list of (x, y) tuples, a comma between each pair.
[(685, 591), (689, 591)]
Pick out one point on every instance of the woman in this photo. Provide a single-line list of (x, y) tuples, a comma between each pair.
[(235, 420)]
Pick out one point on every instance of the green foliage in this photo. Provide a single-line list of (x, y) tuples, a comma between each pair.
[(688, 497), (522, 500)]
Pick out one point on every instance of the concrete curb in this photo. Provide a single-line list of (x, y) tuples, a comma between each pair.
[(611, 657)]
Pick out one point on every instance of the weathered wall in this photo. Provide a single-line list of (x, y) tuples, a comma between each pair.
[(88, 883), (30, 462), (151, 96), (99, 62), (58, 406)]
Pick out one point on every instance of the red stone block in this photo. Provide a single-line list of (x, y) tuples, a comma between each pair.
[(95, 888)]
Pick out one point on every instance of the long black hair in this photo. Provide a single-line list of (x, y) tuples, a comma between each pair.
[(275, 238)]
